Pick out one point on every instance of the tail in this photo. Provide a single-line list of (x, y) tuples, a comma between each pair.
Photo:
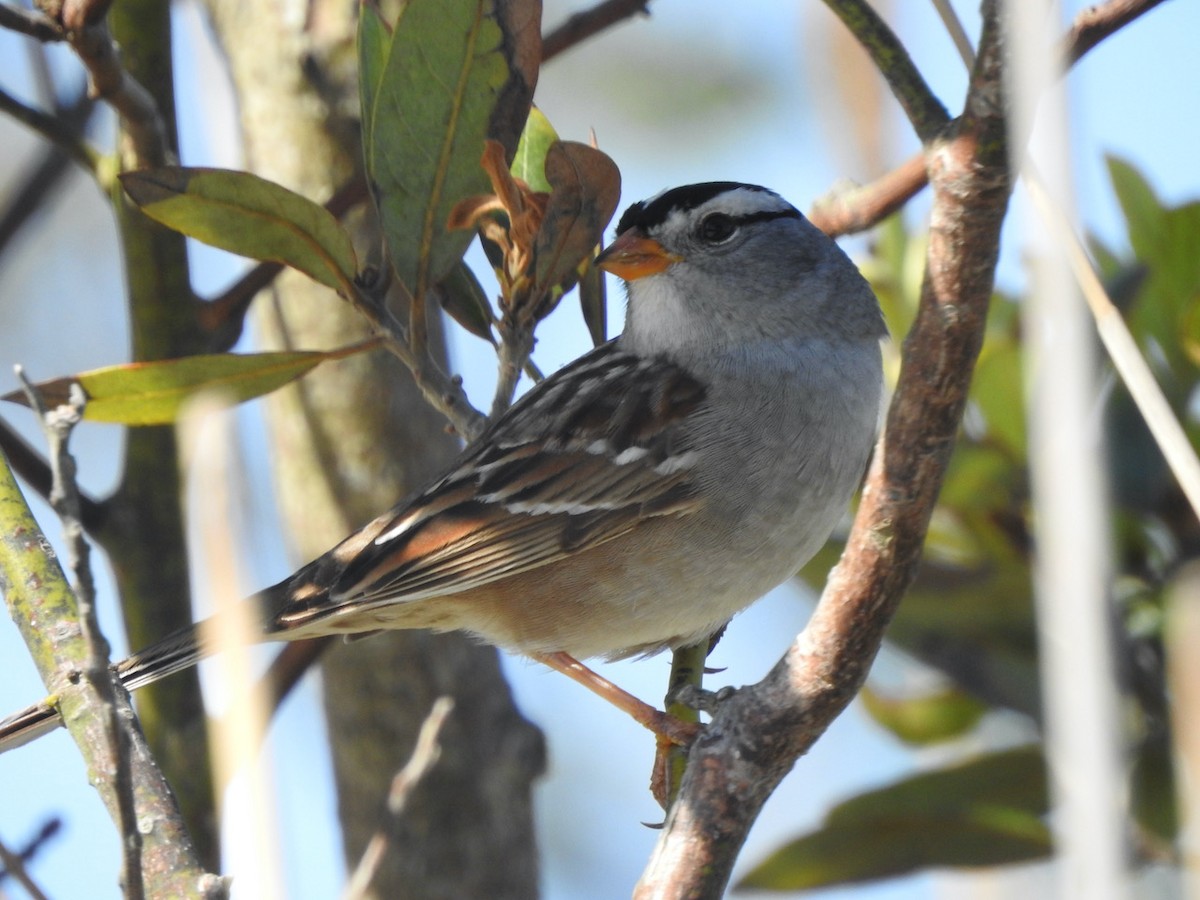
[(172, 654)]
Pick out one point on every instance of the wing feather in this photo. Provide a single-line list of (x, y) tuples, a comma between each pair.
[(581, 459)]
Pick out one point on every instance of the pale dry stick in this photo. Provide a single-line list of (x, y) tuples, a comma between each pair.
[(206, 435), (954, 27), (424, 756), (1084, 742), (1182, 634), (1126, 356)]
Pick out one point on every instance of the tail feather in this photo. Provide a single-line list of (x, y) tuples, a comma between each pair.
[(174, 653)]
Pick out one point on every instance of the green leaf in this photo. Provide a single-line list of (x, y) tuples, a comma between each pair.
[(465, 301), (1142, 208), (152, 393), (529, 163), (457, 73), (985, 812), (374, 44), (928, 719), (249, 216)]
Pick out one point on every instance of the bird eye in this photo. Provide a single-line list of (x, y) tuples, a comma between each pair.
[(716, 228)]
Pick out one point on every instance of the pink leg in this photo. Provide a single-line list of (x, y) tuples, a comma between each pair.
[(669, 727)]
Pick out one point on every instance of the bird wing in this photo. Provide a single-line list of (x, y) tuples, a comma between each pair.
[(582, 458)]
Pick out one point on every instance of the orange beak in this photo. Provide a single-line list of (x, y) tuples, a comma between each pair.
[(632, 256)]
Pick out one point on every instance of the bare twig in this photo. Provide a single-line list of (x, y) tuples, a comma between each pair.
[(33, 468), (954, 28), (61, 134), (926, 113), (1121, 346), (14, 865), (36, 592), (515, 346), (30, 22), (424, 756), (45, 175), (860, 208), (583, 25), (445, 394), (1094, 24)]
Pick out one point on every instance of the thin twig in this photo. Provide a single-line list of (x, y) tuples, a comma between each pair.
[(515, 346), (14, 865), (1094, 24), (925, 112), (35, 471), (46, 174), (424, 756), (65, 500), (954, 28), (443, 393), (583, 25), (36, 25), (864, 207), (53, 129)]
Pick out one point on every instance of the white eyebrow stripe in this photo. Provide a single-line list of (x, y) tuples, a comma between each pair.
[(739, 203)]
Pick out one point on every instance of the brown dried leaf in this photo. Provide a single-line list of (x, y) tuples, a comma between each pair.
[(587, 186)]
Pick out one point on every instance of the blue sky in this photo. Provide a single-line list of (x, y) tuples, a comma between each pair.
[(695, 92)]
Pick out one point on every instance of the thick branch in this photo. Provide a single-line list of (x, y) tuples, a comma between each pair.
[(36, 592), (757, 736)]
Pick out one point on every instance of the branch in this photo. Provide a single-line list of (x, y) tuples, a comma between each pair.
[(583, 25), (1095, 23), (54, 129), (108, 81), (864, 207), (57, 425), (442, 392), (860, 208), (30, 22), (924, 110), (424, 757), (36, 592), (35, 471), (756, 737), (48, 172)]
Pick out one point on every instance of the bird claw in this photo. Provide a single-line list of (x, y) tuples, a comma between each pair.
[(699, 699)]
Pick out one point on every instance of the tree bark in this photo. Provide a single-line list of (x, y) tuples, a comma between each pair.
[(348, 442)]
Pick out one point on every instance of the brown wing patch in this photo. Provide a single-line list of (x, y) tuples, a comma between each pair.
[(579, 460)]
